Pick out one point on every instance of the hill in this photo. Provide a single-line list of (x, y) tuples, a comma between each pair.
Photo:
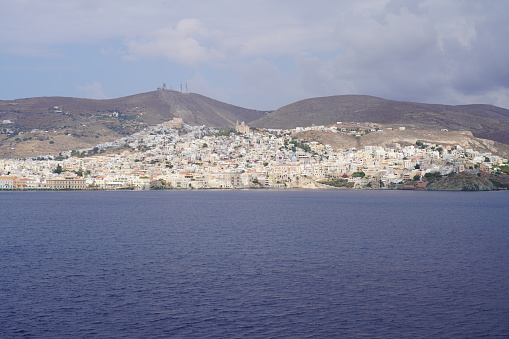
[(388, 138), (462, 182), (35, 126), (484, 121), (49, 125)]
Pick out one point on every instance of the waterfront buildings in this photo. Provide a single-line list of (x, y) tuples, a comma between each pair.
[(200, 158)]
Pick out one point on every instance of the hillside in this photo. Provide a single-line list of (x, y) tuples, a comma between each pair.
[(34, 126), (49, 125), (461, 182), (388, 138), (484, 121)]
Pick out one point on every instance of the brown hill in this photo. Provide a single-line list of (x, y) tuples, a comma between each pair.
[(36, 126), (484, 121), (48, 125), (388, 138)]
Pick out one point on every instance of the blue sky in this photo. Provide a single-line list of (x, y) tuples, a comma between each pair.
[(258, 54)]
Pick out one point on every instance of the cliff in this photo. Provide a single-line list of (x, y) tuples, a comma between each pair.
[(461, 182)]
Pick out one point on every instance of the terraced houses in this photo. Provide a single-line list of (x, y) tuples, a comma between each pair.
[(204, 158)]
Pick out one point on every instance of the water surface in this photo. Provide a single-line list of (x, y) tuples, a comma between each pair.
[(254, 263)]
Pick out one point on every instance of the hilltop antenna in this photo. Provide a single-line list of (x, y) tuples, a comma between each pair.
[(180, 88), (186, 88)]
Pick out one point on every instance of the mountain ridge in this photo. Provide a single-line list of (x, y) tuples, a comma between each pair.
[(47, 125), (484, 121)]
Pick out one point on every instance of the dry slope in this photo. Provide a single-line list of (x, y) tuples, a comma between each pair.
[(484, 121), (388, 138), (37, 126)]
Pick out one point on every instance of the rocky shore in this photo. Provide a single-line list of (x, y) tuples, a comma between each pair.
[(465, 181)]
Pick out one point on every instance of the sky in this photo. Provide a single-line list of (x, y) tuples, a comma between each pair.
[(261, 54)]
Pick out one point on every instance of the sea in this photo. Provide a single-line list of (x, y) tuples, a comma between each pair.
[(254, 264)]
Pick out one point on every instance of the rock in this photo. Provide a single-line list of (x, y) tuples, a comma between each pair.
[(461, 182)]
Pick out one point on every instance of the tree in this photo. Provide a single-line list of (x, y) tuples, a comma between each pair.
[(79, 172), (358, 174), (58, 170), (417, 177), (431, 176), (338, 183), (503, 168)]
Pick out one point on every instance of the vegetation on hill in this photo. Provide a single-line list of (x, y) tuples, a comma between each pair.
[(341, 183)]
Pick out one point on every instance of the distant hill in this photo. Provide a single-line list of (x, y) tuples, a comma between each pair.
[(150, 108), (484, 121), (49, 125), (73, 123), (388, 138)]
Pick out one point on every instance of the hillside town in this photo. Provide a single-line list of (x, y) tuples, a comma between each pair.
[(173, 155)]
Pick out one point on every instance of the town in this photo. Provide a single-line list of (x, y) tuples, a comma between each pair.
[(173, 155)]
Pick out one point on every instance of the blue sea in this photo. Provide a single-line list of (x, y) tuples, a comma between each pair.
[(254, 264)]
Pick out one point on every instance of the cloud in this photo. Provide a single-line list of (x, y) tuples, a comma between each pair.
[(50, 23), (93, 90), (199, 84), (180, 44), (293, 39), (419, 50)]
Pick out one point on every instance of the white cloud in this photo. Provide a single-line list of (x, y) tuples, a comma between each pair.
[(199, 84), (180, 44), (293, 39), (93, 90), (266, 86), (399, 49), (51, 23)]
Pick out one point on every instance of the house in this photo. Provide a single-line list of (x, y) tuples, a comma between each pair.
[(7, 183), (66, 183)]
